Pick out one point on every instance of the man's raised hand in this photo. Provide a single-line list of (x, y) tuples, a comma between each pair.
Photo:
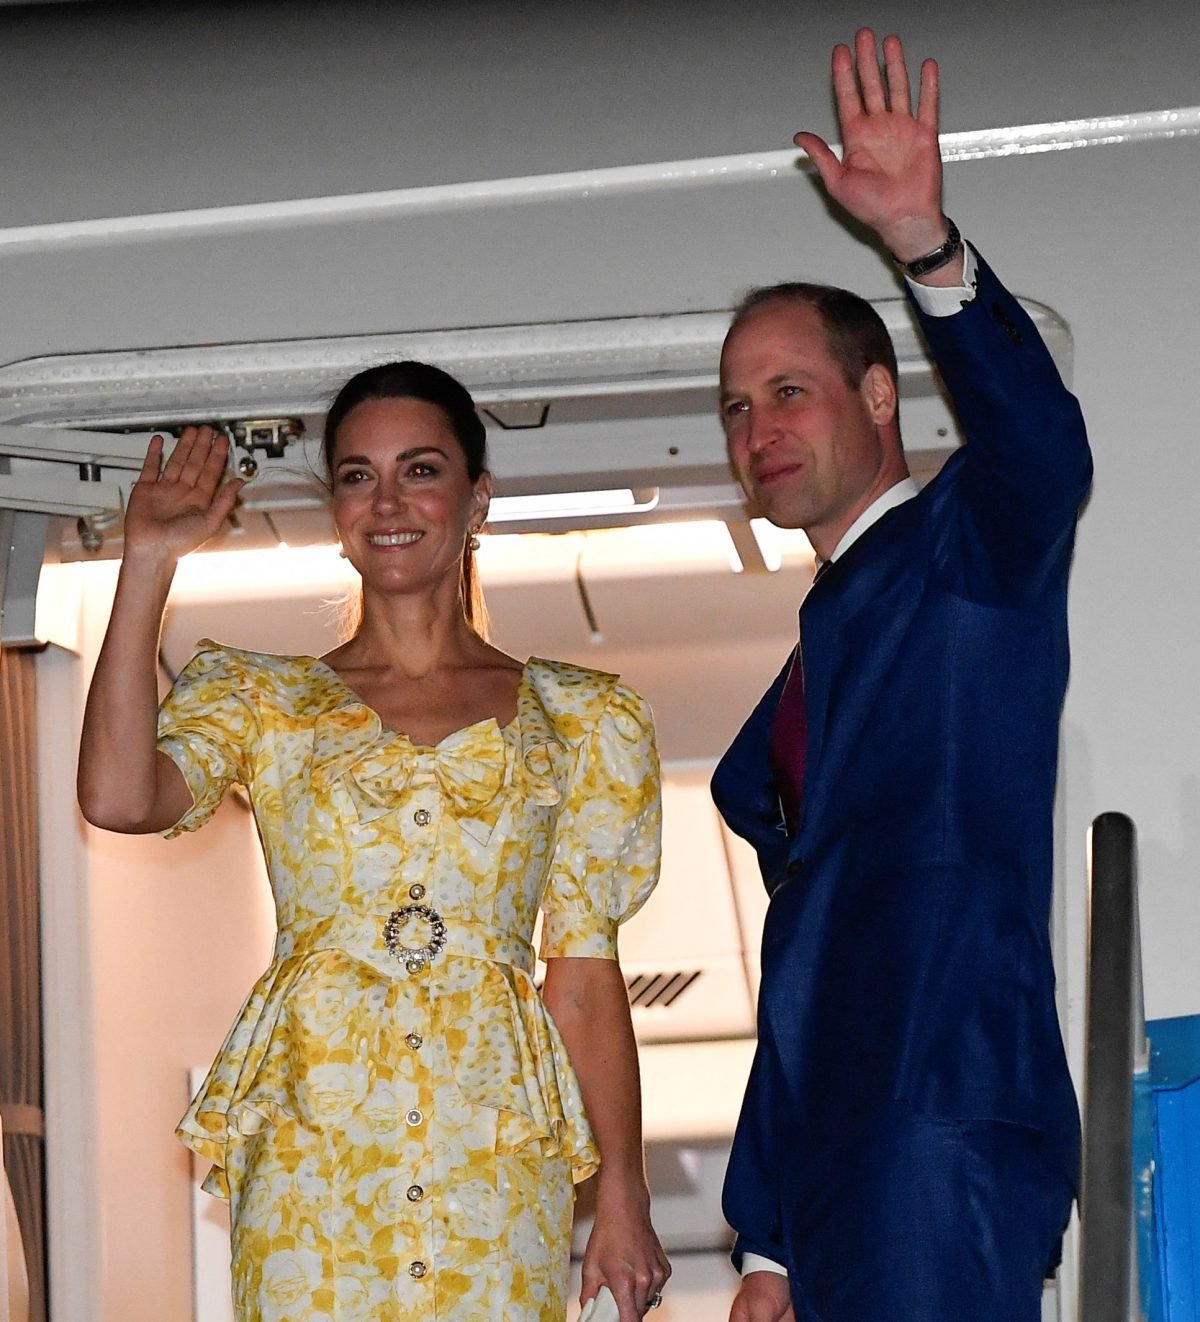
[(890, 174)]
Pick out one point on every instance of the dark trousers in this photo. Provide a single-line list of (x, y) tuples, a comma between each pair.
[(932, 1221)]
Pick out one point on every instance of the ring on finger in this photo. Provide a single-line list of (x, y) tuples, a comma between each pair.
[(655, 1301)]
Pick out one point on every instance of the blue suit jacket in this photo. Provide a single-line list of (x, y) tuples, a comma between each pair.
[(906, 964)]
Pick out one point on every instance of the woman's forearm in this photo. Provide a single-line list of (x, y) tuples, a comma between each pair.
[(588, 1001), (124, 783)]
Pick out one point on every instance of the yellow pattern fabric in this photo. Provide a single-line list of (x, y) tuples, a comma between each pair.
[(398, 1137)]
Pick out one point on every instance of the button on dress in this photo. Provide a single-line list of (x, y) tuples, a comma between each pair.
[(398, 1130)]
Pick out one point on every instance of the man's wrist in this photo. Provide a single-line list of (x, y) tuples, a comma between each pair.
[(936, 258), (951, 298), (755, 1262), (916, 237)]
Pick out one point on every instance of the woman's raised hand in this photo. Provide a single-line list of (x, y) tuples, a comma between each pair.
[(177, 506)]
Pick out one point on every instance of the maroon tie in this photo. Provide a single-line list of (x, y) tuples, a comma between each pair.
[(787, 745)]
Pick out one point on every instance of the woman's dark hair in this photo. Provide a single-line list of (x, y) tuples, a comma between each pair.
[(411, 380)]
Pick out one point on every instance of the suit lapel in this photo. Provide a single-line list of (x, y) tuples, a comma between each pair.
[(851, 625)]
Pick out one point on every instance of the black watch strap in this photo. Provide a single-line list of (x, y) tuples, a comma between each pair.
[(939, 257)]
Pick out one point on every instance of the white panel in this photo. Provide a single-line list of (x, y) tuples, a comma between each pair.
[(305, 625), (692, 1092), (689, 926), (691, 915), (532, 597), (303, 527), (714, 1001), (685, 1188), (210, 1239), (692, 607), (75, 1205), (58, 600)]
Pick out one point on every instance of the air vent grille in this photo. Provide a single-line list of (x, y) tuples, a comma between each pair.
[(660, 990)]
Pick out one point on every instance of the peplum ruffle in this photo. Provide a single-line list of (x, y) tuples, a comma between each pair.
[(314, 1043)]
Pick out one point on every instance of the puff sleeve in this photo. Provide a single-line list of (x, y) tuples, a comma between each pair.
[(606, 854), (208, 726)]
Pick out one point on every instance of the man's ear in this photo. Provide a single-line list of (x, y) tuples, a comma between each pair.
[(878, 389)]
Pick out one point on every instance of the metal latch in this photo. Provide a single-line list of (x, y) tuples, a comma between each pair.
[(269, 435)]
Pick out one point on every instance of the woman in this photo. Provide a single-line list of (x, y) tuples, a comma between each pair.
[(394, 1117)]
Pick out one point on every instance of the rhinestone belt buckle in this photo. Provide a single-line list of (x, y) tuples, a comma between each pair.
[(414, 958)]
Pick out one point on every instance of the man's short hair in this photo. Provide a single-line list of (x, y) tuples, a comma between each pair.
[(854, 332)]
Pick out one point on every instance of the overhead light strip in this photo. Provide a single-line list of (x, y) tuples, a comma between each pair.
[(659, 547), (501, 364), (571, 505), (544, 361), (581, 185)]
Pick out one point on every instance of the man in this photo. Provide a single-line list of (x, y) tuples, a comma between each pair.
[(908, 1145)]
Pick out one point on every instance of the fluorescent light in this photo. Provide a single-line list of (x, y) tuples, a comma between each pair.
[(282, 568), (769, 543), (697, 545), (570, 505), (779, 544), (659, 548)]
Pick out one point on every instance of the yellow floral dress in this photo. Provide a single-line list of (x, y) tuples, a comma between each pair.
[(393, 1116)]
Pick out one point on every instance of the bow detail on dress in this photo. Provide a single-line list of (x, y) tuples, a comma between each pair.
[(350, 745), (376, 767), (468, 775)]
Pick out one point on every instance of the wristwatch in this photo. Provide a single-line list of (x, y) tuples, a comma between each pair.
[(939, 257)]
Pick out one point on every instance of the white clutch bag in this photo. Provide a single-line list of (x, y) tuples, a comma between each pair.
[(601, 1308)]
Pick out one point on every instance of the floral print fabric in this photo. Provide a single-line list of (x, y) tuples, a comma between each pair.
[(398, 1138)]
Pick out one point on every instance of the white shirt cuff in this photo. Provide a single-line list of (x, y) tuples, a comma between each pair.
[(946, 300), (755, 1262)]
